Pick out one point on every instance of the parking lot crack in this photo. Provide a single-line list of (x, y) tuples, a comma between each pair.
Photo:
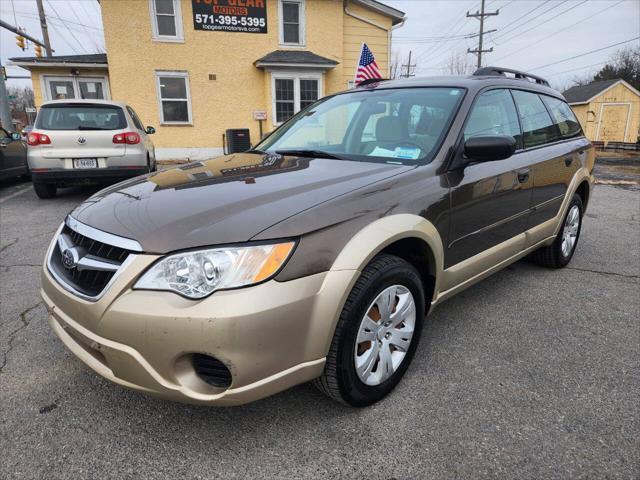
[(10, 244), (603, 272), (24, 323), (21, 265)]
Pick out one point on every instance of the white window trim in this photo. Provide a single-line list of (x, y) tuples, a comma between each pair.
[(185, 75), (179, 36), (76, 87), (302, 42), (296, 77)]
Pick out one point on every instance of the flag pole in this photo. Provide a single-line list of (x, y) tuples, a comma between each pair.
[(355, 75)]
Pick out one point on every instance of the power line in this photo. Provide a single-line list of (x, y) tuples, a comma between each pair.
[(462, 21), (523, 24), (33, 15), (522, 16), (584, 54), (543, 22), (55, 29), (73, 10), (561, 30), (65, 25), (579, 68)]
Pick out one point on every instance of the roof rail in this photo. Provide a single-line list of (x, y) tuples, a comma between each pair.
[(370, 81), (492, 71)]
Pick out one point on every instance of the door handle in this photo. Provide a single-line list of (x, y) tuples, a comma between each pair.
[(568, 161), (523, 175)]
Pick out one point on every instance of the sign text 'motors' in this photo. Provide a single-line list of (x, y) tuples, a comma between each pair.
[(246, 16)]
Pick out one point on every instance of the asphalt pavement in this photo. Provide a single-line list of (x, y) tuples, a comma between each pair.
[(532, 373)]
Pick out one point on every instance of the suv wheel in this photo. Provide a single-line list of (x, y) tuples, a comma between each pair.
[(45, 190), (559, 253), (377, 333)]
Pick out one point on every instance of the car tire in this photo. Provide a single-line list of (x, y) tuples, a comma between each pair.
[(45, 190), (342, 380), (151, 167), (560, 252)]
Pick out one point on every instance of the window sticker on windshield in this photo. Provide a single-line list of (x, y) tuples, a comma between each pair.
[(408, 153)]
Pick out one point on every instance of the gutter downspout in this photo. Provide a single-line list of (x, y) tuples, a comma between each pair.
[(377, 25)]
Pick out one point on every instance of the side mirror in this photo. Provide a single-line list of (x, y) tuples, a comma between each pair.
[(16, 136), (150, 130), (487, 148)]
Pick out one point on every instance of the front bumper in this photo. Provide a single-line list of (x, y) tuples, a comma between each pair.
[(270, 336)]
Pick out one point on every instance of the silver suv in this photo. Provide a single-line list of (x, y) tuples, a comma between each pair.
[(87, 141)]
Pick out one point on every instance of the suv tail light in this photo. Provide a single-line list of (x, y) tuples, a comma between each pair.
[(130, 138), (34, 139)]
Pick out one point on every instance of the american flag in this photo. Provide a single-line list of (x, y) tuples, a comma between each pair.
[(367, 66)]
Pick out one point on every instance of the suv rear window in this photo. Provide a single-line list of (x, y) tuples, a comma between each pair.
[(81, 117)]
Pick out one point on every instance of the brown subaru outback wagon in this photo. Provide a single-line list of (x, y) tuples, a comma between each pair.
[(316, 255)]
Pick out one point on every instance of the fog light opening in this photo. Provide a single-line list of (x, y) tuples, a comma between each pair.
[(211, 370)]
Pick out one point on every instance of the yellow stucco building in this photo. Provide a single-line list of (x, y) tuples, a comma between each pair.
[(195, 68), (608, 110)]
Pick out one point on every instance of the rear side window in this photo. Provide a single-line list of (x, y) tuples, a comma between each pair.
[(563, 117), (537, 126), (81, 117), (136, 120), (494, 114)]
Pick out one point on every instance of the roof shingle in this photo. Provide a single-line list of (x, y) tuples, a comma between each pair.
[(87, 58), (582, 93), (294, 57)]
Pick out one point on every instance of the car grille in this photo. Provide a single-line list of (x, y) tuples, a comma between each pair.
[(211, 370), (97, 265)]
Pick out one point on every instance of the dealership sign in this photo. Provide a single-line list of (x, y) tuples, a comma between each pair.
[(247, 16)]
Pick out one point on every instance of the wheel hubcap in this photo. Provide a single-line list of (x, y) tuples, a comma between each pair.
[(384, 335), (570, 231)]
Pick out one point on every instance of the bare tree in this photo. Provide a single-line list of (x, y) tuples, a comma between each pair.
[(459, 64), (21, 97), (394, 68)]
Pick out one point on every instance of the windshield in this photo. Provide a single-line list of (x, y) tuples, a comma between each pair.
[(403, 126), (81, 117)]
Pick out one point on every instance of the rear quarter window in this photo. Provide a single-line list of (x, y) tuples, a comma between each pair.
[(81, 117), (537, 126), (563, 117)]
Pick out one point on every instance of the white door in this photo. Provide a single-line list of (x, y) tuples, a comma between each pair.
[(62, 88)]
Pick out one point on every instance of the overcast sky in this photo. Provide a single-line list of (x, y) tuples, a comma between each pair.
[(530, 33)]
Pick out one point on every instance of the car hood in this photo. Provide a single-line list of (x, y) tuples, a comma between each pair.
[(225, 200)]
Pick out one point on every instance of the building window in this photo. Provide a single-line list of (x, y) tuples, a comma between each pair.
[(285, 99), (292, 93), (174, 98), (166, 20), (291, 22)]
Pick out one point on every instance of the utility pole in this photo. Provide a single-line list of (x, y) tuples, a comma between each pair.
[(5, 109), (409, 67), (45, 29), (480, 15)]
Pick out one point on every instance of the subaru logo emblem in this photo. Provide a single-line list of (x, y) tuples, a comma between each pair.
[(68, 259), (82, 140)]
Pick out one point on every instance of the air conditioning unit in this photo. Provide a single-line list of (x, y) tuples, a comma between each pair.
[(238, 140)]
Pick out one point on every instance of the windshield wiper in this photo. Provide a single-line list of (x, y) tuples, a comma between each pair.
[(311, 153), (256, 151), (82, 127)]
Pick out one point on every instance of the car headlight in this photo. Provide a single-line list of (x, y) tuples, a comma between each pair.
[(198, 273)]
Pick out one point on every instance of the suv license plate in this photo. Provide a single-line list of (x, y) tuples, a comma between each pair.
[(85, 163)]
